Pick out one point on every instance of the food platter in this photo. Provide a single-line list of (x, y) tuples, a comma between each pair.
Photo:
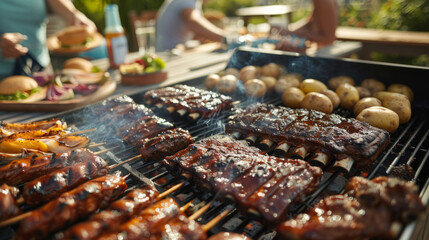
[(144, 79), (103, 91)]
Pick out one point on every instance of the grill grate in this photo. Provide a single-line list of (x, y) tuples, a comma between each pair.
[(408, 145)]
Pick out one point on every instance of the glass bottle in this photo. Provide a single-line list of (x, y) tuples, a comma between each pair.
[(116, 41)]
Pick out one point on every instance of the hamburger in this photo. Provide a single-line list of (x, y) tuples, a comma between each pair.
[(83, 71), (21, 88), (79, 64), (76, 37)]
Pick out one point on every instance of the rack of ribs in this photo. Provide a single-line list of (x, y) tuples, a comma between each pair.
[(301, 133), (266, 185), (183, 99), (154, 137), (369, 209)]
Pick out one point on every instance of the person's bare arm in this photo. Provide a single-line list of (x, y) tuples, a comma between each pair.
[(66, 9), (202, 27), (326, 17)]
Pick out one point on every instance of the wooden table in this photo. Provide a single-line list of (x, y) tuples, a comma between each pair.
[(265, 11), (193, 63), (405, 43)]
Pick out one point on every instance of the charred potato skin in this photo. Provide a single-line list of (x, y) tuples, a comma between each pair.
[(317, 101), (292, 97), (365, 103), (335, 82), (348, 94), (380, 117)]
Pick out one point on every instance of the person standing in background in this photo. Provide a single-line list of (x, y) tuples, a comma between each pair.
[(179, 21), (319, 28), (23, 28)]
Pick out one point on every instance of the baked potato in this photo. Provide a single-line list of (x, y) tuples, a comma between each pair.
[(380, 117), (271, 70), (292, 97), (401, 88), (312, 85), (247, 73), (255, 88), (365, 103), (332, 96), (335, 82), (363, 92), (400, 104), (373, 85), (211, 80), (270, 82), (317, 101), (227, 84), (348, 94)]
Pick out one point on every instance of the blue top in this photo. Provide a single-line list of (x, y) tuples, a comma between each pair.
[(171, 28), (27, 17)]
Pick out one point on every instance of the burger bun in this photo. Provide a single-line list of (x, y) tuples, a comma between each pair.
[(75, 35), (11, 85), (78, 63)]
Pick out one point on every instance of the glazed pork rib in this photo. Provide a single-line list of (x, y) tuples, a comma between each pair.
[(268, 185), (310, 131), (369, 209), (136, 124), (186, 99)]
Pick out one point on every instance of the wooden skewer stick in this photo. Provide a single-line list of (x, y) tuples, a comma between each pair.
[(172, 189), (125, 161), (95, 145), (200, 211), (215, 220), (170, 109), (83, 131), (186, 206), (14, 219), (103, 151)]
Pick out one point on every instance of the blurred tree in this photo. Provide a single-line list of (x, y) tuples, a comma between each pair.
[(410, 15), (228, 7), (94, 9)]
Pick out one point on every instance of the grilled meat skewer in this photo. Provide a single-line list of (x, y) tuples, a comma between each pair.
[(50, 186), (111, 218), (14, 148), (7, 129), (23, 170), (315, 131), (144, 223), (8, 205), (71, 206)]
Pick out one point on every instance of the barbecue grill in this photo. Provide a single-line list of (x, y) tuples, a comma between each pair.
[(408, 145)]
